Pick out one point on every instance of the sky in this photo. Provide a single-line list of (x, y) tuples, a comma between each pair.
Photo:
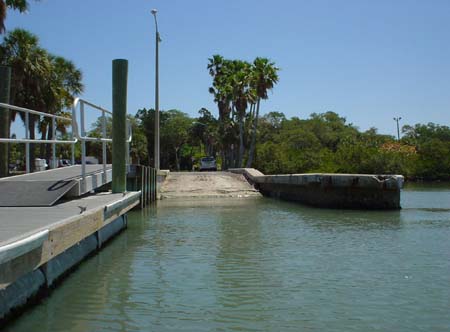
[(368, 61)]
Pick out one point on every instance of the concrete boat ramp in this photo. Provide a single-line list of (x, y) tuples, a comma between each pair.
[(197, 185)]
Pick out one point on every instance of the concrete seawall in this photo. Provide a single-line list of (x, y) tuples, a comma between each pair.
[(347, 191), (33, 262)]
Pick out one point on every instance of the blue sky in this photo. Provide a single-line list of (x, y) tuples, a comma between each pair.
[(366, 60)]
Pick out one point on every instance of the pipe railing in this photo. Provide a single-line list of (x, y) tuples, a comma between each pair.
[(78, 134), (27, 139), (83, 138)]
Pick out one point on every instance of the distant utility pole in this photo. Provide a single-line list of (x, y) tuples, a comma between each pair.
[(398, 127)]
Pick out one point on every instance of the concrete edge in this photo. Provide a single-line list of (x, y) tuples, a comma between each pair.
[(22, 246), (393, 181)]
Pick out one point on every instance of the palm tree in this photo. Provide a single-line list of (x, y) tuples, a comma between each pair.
[(265, 76), (65, 83), (40, 80), (241, 96), (221, 89), (20, 5), (30, 73)]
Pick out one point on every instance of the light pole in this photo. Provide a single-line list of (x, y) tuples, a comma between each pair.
[(398, 128), (158, 39)]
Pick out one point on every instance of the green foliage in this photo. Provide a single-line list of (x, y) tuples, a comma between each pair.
[(40, 81), (138, 145), (238, 87), (175, 128), (322, 143), (20, 5)]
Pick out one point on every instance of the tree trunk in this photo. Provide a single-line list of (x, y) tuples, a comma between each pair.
[(253, 142), (5, 82), (241, 141), (177, 161), (224, 165), (32, 131)]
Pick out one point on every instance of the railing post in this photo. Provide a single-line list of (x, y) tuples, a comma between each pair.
[(5, 83), (104, 145), (53, 163), (142, 187), (27, 145), (151, 184), (73, 152), (119, 132), (155, 182), (83, 148)]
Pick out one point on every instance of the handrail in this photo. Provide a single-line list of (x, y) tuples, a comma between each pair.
[(27, 110), (29, 141), (80, 134)]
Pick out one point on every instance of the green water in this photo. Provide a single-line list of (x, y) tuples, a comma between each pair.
[(264, 265)]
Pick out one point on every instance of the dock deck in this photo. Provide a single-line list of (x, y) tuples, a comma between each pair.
[(38, 245), (20, 222)]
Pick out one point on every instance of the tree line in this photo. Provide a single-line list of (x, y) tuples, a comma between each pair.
[(322, 143)]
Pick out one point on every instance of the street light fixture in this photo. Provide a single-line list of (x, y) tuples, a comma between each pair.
[(158, 40), (398, 128)]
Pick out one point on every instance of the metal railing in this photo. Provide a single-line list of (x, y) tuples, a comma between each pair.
[(27, 139), (76, 135), (83, 138)]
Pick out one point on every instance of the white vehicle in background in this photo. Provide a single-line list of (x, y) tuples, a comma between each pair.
[(208, 164), (40, 164), (91, 160)]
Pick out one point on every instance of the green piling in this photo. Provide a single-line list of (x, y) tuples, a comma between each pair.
[(119, 125), (5, 84)]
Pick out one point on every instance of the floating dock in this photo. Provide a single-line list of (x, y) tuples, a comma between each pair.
[(38, 245)]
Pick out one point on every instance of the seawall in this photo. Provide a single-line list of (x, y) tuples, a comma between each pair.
[(345, 191)]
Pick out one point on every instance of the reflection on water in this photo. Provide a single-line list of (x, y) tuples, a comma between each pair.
[(263, 265)]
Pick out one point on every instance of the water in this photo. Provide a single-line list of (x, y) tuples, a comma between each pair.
[(264, 265)]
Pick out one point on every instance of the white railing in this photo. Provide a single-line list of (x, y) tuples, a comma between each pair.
[(78, 134), (27, 139), (83, 138)]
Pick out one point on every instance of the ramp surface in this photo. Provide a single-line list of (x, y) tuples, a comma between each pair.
[(206, 185), (42, 188)]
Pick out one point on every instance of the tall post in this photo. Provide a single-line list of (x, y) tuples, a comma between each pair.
[(157, 40), (119, 125), (398, 127), (5, 84)]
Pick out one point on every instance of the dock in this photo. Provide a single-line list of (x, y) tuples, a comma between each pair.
[(45, 188), (47, 233)]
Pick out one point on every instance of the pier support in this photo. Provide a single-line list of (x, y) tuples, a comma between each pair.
[(5, 83), (119, 126)]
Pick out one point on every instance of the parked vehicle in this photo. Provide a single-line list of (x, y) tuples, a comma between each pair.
[(208, 164), (64, 163), (91, 160), (40, 164)]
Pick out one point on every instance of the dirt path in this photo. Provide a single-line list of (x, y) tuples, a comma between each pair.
[(206, 184)]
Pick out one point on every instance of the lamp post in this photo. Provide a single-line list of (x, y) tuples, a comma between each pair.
[(398, 128), (158, 39)]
